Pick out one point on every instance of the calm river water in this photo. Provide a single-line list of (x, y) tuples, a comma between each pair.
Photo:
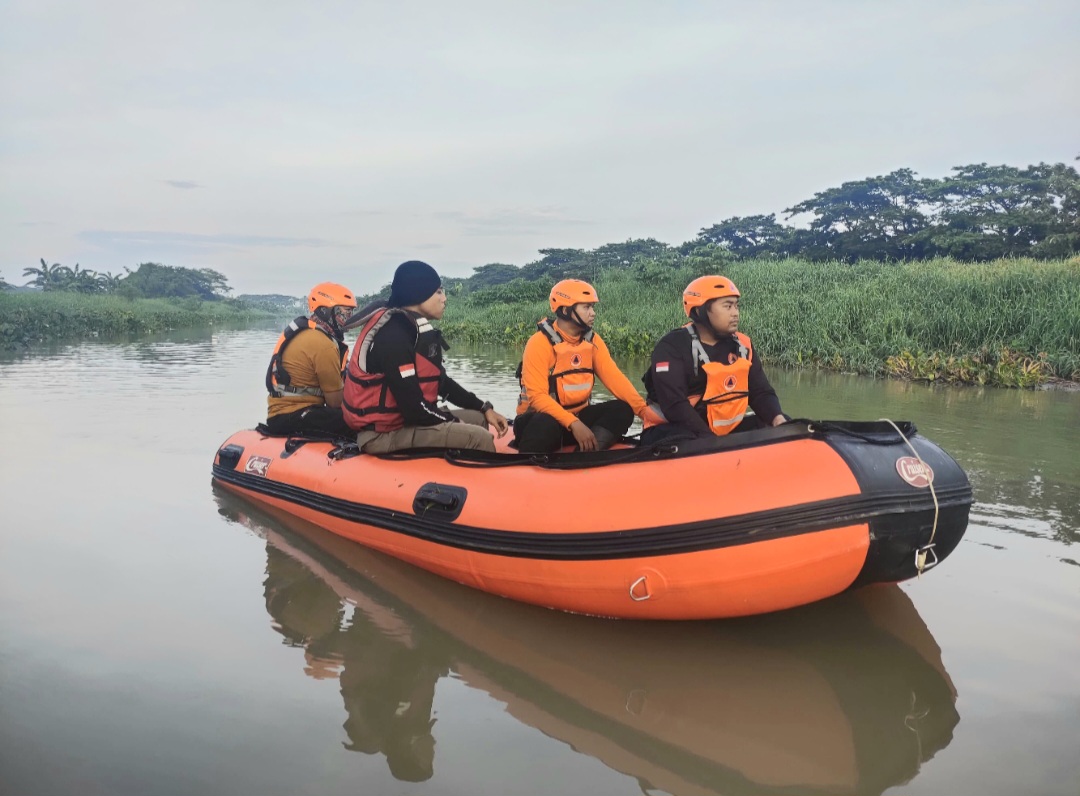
[(161, 638)]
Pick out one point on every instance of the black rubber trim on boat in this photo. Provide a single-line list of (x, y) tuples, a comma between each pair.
[(633, 543)]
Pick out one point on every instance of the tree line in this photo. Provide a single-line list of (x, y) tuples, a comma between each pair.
[(977, 213), (148, 280)]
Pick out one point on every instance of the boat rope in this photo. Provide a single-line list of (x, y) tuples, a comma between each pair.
[(921, 553), (825, 427)]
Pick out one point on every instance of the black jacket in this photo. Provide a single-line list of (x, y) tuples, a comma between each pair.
[(670, 389)]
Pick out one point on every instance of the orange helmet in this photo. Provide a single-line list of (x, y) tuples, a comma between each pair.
[(569, 292), (706, 288), (329, 294)]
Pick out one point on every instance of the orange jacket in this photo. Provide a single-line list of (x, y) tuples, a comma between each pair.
[(544, 359)]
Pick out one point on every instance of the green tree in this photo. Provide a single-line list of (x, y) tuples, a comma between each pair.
[(492, 274), (750, 236), (985, 212), (878, 217), (153, 280), (623, 255), (48, 277)]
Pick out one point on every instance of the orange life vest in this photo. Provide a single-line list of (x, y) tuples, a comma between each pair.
[(368, 402), (278, 381), (571, 378), (727, 385)]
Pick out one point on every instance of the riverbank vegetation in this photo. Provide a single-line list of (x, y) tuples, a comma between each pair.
[(71, 303), (1008, 322), (972, 278)]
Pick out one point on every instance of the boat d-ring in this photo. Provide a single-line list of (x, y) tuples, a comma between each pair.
[(921, 563), (634, 585)]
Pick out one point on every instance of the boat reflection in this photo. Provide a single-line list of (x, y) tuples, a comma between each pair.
[(847, 696)]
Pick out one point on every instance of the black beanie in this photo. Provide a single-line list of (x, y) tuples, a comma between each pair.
[(414, 283)]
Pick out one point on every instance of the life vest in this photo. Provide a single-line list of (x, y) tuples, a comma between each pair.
[(278, 381), (571, 378), (368, 402), (726, 394)]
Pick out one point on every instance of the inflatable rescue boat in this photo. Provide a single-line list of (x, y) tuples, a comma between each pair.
[(744, 524)]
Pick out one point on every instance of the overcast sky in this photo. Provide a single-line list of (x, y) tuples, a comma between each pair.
[(286, 143)]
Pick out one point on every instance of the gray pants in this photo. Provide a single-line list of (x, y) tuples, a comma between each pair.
[(471, 433)]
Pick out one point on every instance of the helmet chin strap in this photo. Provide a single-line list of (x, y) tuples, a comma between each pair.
[(697, 318), (577, 319)]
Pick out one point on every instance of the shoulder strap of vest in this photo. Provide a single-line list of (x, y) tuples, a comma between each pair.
[(549, 332), (699, 356), (746, 351), (275, 372)]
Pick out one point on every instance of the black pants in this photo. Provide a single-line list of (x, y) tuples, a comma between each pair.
[(537, 432), (673, 431), (321, 419)]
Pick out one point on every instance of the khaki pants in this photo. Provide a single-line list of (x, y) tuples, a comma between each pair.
[(471, 434)]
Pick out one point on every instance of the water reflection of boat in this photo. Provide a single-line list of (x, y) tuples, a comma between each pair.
[(701, 529), (848, 696)]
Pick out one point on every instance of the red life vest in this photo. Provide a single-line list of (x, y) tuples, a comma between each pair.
[(726, 394), (278, 381), (571, 379), (368, 402)]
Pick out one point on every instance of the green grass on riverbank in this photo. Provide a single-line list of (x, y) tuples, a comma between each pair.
[(1008, 322), (27, 318)]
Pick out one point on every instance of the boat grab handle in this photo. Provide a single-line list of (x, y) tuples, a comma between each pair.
[(443, 500)]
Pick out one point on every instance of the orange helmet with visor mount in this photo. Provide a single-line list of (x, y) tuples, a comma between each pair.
[(330, 294), (706, 288), (569, 292)]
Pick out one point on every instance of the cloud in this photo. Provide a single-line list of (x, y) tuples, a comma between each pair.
[(511, 221), (187, 241), (184, 185)]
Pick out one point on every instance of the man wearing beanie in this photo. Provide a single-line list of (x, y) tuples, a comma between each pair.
[(396, 378)]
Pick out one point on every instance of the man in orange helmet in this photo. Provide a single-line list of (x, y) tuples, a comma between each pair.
[(304, 377), (704, 378), (557, 373), (395, 376)]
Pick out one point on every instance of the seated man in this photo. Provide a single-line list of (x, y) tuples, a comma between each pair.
[(704, 375), (395, 376), (304, 378), (557, 372)]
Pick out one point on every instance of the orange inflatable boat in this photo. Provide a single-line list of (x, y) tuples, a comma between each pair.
[(744, 524)]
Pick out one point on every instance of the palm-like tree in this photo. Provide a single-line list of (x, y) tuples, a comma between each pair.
[(48, 277), (109, 281)]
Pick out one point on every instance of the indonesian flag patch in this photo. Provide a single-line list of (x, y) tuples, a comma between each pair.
[(661, 367), (407, 370)]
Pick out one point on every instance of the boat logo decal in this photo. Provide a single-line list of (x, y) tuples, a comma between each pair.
[(257, 465), (915, 472), (729, 383)]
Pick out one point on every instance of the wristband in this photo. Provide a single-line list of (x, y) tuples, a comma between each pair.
[(487, 407)]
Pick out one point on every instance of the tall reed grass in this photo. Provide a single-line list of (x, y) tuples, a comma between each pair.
[(941, 314)]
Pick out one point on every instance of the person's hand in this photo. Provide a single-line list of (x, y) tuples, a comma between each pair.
[(498, 421), (651, 417), (779, 420), (583, 435)]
